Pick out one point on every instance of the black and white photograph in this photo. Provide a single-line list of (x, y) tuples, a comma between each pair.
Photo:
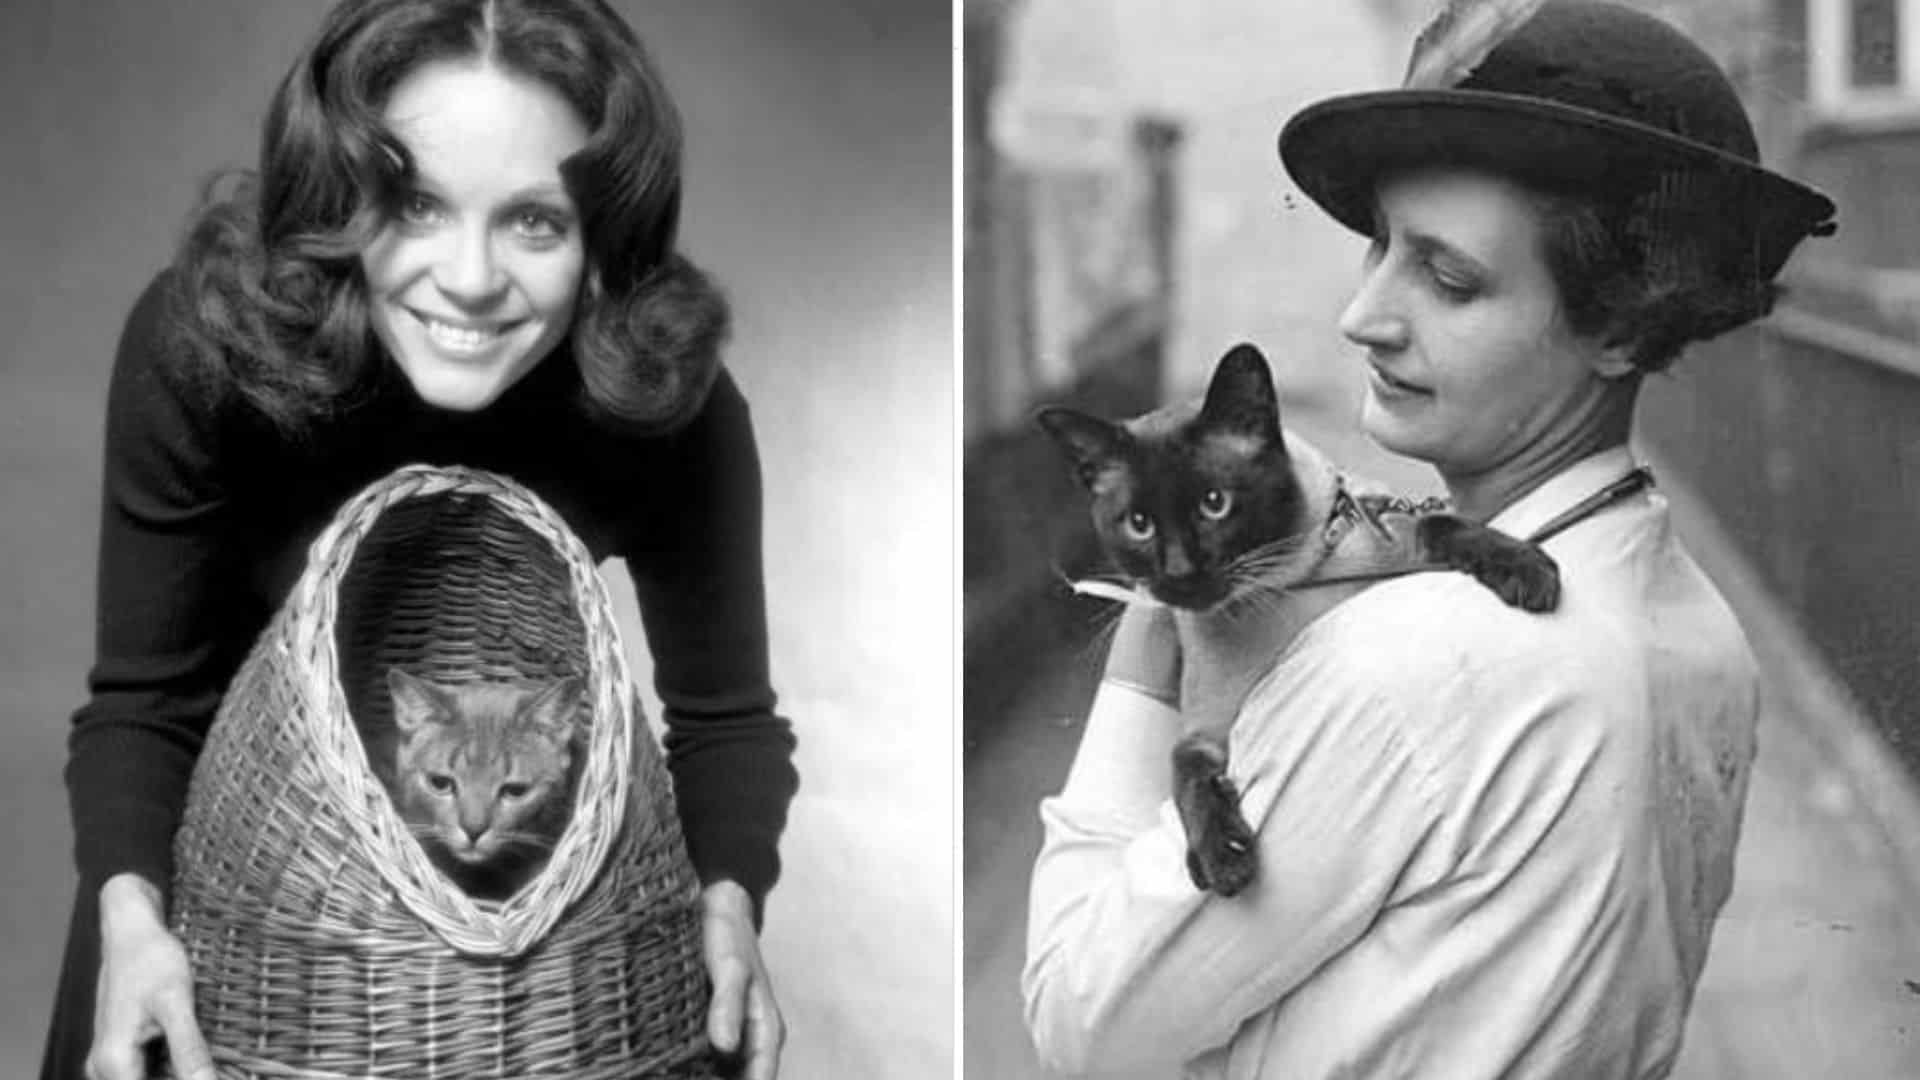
[(998, 539), (1438, 488), (479, 528)]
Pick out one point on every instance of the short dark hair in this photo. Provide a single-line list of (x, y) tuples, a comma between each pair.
[(274, 299), (1654, 271)]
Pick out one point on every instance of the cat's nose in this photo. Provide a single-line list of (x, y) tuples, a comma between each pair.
[(1174, 562), (473, 832)]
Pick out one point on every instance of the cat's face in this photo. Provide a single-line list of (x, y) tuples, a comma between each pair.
[(482, 771), (1191, 501)]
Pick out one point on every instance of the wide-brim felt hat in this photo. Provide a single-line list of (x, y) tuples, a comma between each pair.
[(1585, 97)]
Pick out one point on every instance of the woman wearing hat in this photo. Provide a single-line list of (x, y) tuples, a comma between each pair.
[(1490, 843)]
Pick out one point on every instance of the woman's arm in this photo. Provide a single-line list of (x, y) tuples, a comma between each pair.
[(699, 577), (698, 573), (167, 641), (166, 633), (1128, 964)]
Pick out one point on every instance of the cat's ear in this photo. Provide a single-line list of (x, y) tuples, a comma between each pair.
[(1094, 444), (560, 707), (1241, 398), (415, 700)]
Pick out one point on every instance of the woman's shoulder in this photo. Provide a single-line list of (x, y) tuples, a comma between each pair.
[(1444, 627), (152, 360)]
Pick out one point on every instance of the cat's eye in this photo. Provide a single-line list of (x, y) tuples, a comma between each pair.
[(440, 783), (1139, 526), (514, 790), (1215, 504)]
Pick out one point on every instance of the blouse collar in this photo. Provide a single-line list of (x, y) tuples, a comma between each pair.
[(1563, 490)]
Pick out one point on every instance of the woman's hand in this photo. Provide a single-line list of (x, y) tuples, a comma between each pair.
[(145, 990), (1145, 653), (743, 1019)]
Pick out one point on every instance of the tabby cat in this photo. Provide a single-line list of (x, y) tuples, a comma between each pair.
[(483, 774), (1248, 534)]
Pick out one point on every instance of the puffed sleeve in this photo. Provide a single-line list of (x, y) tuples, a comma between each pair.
[(166, 636), (698, 574)]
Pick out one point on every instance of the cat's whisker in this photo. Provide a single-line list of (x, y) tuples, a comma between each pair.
[(1107, 577)]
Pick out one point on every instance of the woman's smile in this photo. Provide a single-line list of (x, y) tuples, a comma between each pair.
[(1389, 389), (463, 338)]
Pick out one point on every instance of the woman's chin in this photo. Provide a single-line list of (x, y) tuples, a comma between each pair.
[(456, 391), (1392, 433)]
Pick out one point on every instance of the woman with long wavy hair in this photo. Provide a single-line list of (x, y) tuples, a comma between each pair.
[(458, 247)]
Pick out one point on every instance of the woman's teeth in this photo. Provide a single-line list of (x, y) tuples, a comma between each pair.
[(459, 338)]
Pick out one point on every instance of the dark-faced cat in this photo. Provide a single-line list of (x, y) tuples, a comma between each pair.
[(483, 773), (1215, 511)]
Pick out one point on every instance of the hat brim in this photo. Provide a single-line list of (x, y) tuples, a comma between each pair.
[(1337, 151)]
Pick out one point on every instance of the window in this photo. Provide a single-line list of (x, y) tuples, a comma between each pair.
[(1863, 56)]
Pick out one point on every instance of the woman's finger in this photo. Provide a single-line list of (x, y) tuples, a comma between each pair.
[(766, 1032), (114, 1059), (725, 1011), (185, 1045)]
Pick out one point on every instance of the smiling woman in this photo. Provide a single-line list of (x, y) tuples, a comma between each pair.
[(458, 248), (473, 278)]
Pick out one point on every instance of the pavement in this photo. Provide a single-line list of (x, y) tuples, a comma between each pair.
[(1815, 965)]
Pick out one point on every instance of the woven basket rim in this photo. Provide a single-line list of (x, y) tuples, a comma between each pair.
[(472, 927)]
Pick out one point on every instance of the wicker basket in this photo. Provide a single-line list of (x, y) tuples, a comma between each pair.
[(323, 942)]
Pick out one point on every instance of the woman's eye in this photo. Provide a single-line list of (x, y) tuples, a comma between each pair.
[(1215, 504), (418, 208), (440, 783), (1139, 525), (1451, 285), (539, 225)]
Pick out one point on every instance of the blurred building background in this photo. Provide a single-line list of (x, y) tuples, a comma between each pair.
[(1129, 219), (819, 192)]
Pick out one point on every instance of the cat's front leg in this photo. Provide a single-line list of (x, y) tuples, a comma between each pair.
[(1220, 854), (1521, 574)]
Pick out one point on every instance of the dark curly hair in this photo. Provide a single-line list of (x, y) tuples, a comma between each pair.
[(273, 304), (1656, 270)]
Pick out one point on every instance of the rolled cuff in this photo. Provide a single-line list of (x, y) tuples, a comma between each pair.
[(126, 790), (732, 797)]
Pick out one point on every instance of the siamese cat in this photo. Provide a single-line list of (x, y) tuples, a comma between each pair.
[(1248, 533)]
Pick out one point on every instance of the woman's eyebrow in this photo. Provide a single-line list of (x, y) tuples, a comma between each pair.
[(541, 191), (1430, 245)]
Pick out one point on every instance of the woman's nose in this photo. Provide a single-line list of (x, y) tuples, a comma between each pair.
[(468, 272), (1372, 318)]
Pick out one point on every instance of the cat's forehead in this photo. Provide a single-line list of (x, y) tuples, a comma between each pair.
[(1164, 423)]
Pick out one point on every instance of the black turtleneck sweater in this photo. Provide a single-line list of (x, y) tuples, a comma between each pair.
[(208, 513)]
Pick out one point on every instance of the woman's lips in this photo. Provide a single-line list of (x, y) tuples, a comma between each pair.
[(460, 336), (1389, 386)]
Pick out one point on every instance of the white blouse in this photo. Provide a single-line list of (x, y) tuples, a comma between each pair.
[(1492, 843)]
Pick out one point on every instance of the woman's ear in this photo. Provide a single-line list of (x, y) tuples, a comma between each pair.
[(1614, 360)]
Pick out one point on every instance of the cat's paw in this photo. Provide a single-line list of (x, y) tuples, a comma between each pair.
[(1522, 575), (1220, 855), (1220, 852)]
